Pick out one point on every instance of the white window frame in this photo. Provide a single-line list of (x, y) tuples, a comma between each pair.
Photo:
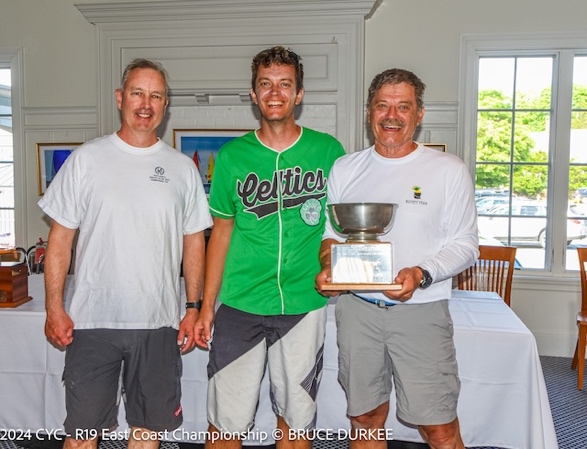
[(563, 46), (11, 58)]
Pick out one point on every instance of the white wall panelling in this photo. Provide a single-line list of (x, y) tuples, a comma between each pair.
[(207, 47)]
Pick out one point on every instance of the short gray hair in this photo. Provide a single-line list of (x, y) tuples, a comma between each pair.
[(396, 76), (141, 63)]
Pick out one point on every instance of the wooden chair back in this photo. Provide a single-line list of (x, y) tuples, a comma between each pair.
[(583, 272), (493, 271), (579, 356)]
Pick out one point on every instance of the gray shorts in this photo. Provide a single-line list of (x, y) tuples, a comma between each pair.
[(409, 343), (148, 363), (243, 345)]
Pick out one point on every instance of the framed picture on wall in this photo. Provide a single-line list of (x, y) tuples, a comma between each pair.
[(50, 158), (436, 146), (202, 146)]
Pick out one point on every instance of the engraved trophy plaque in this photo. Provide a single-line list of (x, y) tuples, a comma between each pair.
[(362, 262)]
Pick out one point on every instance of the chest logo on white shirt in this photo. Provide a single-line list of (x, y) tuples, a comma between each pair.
[(159, 175), (417, 190)]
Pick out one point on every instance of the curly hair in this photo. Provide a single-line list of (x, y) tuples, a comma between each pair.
[(281, 56)]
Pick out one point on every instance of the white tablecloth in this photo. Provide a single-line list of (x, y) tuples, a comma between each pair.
[(503, 400)]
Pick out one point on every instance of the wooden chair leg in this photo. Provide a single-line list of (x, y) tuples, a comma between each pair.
[(581, 355), (575, 355)]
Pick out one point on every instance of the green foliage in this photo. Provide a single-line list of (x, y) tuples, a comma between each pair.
[(494, 151), (531, 180), (577, 178), (493, 99), (536, 119), (495, 122), (579, 119)]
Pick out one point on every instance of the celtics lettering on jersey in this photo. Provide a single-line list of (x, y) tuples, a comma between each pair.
[(292, 186)]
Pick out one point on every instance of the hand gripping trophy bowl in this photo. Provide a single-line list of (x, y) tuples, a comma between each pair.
[(362, 262)]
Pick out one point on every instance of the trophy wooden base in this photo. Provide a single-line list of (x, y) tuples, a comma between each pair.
[(358, 287)]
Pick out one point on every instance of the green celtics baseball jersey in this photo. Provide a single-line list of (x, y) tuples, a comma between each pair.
[(277, 201)]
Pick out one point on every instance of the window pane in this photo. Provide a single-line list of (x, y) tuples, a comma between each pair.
[(5, 77), (5, 94), (494, 131), (577, 206), (496, 83), (579, 138), (533, 83), (6, 153), (492, 178), (6, 197), (531, 136), (7, 237), (6, 123), (531, 181), (526, 100), (578, 184), (513, 141), (6, 228), (580, 83)]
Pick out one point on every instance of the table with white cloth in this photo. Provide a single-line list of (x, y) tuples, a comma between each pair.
[(503, 401)]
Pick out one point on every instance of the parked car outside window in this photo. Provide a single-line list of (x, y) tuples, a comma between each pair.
[(479, 193), (580, 195), (485, 203), (527, 223)]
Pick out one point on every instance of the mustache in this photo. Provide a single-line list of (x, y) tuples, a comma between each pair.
[(391, 122)]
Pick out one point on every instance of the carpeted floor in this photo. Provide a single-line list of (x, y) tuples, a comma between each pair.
[(568, 405), (569, 410)]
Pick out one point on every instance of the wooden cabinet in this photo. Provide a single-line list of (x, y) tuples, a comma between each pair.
[(14, 284)]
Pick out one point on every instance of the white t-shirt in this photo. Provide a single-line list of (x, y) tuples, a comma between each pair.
[(132, 207), (435, 224)]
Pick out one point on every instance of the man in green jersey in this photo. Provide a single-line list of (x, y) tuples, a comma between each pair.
[(267, 200)]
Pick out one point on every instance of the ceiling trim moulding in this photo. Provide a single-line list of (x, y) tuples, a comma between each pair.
[(101, 13)]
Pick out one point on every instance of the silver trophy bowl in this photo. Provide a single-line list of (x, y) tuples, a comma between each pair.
[(362, 221)]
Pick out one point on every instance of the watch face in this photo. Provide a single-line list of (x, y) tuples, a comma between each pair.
[(426, 279)]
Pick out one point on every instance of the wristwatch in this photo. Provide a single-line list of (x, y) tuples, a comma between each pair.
[(193, 305), (426, 279)]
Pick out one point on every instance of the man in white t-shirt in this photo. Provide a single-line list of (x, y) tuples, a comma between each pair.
[(403, 335), (140, 208)]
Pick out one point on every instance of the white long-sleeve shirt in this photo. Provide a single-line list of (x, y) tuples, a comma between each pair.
[(435, 225)]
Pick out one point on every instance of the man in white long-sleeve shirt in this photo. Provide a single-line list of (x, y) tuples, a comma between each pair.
[(405, 335)]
